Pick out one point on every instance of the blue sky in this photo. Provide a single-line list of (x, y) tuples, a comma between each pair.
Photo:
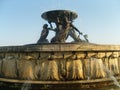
[(21, 22)]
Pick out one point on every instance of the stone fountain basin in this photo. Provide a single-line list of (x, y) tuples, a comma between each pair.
[(59, 65), (72, 85)]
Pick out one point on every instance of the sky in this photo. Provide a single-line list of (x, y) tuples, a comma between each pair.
[(21, 22)]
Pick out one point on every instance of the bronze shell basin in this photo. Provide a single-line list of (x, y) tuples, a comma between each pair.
[(54, 14)]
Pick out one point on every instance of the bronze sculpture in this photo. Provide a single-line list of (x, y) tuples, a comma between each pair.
[(44, 34), (63, 20)]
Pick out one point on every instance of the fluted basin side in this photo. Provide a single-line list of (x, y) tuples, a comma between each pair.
[(59, 62)]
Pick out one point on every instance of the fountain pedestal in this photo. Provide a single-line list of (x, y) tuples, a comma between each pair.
[(59, 65)]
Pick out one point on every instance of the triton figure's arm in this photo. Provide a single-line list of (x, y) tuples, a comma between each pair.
[(76, 29)]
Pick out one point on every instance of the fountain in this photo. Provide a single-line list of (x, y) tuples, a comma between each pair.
[(56, 64)]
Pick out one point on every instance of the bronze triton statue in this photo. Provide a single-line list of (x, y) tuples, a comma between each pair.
[(63, 26)]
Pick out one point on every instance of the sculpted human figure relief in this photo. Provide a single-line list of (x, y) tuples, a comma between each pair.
[(62, 27), (72, 33), (44, 34)]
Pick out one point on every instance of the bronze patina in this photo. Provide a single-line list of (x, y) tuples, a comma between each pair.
[(63, 19)]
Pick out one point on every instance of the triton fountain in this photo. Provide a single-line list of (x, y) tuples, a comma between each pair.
[(57, 64)]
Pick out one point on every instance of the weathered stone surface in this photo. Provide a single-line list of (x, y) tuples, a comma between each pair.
[(101, 54), (61, 47), (2, 55), (62, 62)]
